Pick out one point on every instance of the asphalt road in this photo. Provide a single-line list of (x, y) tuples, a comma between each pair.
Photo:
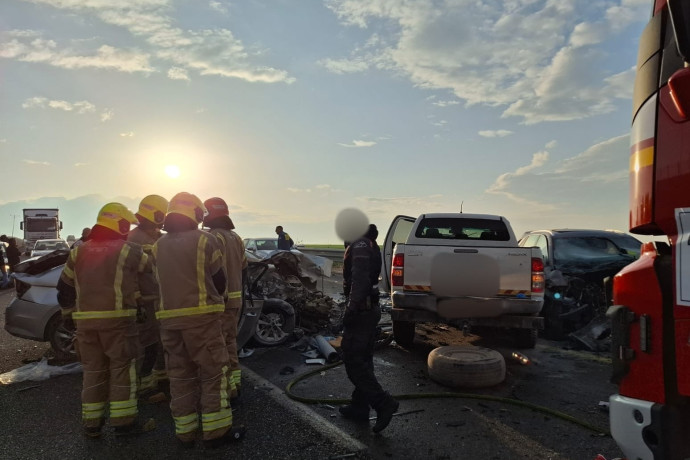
[(41, 419)]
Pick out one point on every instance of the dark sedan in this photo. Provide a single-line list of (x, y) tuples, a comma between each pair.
[(576, 262)]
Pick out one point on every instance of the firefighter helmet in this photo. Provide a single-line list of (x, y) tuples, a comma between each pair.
[(216, 207), (153, 208), (116, 217), (187, 205)]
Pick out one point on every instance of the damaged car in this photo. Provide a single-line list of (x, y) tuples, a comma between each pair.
[(576, 263), (35, 314)]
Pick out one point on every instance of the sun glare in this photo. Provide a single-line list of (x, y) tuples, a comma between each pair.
[(172, 171)]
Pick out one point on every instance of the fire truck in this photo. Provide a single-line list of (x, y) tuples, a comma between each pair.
[(650, 415)]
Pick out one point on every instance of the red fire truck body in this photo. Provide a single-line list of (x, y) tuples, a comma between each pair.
[(650, 417)]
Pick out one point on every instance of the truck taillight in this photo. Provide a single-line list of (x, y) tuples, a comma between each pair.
[(537, 275), (397, 270)]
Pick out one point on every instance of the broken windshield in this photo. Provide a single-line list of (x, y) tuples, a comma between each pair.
[(574, 250)]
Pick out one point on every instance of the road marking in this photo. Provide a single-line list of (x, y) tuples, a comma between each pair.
[(308, 416)]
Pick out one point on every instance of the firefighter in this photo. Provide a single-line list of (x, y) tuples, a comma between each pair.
[(188, 263), (97, 290), (219, 222), (150, 215), (362, 265)]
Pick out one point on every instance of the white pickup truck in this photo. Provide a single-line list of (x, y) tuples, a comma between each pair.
[(464, 270)]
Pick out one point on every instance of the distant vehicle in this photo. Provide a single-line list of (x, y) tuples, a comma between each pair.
[(43, 247), (261, 247), (40, 224), (576, 262)]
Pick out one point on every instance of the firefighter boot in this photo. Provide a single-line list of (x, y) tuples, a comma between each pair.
[(384, 413), (234, 434), (355, 412)]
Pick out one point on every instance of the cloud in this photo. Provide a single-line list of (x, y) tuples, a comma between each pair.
[(580, 180), (107, 115), (445, 103), (538, 60), (36, 163), (551, 145), (26, 48), (218, 6), (127, 134), (358, 144), (495, 133), (178, 73), (80, 107), (341, 66), (298, 190), (79, 165), (208, 51)]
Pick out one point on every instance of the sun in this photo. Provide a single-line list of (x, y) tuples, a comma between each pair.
[(172, 171)]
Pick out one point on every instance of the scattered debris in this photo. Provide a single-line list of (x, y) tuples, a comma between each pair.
[(402, 413), (519, 357), (38, 371), (320, 361), (28, 388)]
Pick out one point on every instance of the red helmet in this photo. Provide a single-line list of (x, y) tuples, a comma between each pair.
[(216, 207)]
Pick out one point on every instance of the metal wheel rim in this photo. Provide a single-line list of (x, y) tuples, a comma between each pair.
[(269, 327)]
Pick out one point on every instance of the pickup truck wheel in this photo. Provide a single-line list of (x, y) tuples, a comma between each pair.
[(466, 366), (554, 329), (403, 332), (526, 338)]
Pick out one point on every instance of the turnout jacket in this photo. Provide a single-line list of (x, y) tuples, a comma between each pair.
[(235, 261), (104, 274), (185, 264)]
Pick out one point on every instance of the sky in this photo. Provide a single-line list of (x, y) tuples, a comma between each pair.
[(292, 110)]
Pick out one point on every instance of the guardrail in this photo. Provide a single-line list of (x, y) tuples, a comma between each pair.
[(332, 254)]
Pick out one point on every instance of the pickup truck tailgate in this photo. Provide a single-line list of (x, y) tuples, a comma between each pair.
[(469, 271)]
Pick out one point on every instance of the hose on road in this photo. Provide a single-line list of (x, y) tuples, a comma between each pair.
[(439, 395)]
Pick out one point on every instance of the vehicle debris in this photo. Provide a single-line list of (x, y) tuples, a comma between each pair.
[(292, 277), (519, 357), (402, 413), (38, 371)]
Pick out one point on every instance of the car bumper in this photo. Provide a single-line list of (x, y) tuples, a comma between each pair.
[(467, 307), (28, 320)]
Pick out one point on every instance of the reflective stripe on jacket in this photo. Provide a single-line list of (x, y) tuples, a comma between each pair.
[(184, 263), (235, 261), (105, 276)]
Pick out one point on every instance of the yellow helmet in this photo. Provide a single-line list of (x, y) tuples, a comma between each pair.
[(187, 205), (153, 208), (116, 217)]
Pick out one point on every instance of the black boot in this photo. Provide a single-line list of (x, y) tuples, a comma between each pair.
[(234, 434), (384, 413), (355, 412)]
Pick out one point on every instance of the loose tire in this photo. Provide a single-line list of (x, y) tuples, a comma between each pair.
[(403, 332), (466, 366), (526, 338), (61, 339), (276, 323)]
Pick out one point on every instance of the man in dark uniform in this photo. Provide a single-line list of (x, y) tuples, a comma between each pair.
[(362, 264), (285, 243)]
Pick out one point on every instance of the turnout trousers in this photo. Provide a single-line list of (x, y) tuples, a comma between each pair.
[(230, 318), (197, 365), (359, 338), (108, 358)]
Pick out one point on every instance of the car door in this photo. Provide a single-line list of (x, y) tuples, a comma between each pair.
[(397, 233)]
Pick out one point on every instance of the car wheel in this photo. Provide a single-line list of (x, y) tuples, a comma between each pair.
[(554, 329), (61, 338), (403, 332), (276, 323), (526, 338), (466, 366)]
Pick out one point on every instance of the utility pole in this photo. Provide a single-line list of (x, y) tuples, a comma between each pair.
[(14, 218)]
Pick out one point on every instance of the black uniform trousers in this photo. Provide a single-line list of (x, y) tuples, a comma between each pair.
[(359, 338)]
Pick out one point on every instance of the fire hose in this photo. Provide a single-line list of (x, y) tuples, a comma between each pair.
[(439, 395)]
